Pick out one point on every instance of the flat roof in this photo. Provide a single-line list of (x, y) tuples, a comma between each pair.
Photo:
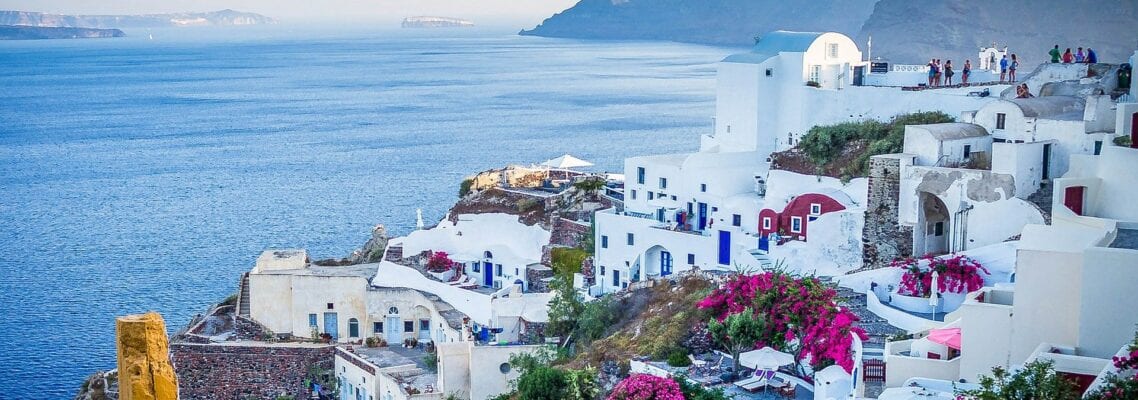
[(358, 270), (1126, 239)]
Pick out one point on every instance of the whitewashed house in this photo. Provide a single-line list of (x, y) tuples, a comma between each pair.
[(495, 250), (1071, 302)]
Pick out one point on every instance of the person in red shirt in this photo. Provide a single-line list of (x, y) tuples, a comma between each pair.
[(1068, 57)]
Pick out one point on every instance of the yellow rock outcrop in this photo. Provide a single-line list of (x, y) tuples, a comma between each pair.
[(145, 372)]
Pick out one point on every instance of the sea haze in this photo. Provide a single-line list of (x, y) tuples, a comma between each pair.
[(140, 174)]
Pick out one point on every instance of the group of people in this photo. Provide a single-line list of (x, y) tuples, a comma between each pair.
[(1077, 57), (939, 73)]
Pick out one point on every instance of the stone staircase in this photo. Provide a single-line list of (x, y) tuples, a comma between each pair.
[(877, 328), (1042, 198), (243, 296)]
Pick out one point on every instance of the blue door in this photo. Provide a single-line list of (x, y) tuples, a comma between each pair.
[(331, 327), (724, 248), (660, 214), (488, 274), (394, 328), (702, 216), (665, 263), (764, 243), (616, 278)]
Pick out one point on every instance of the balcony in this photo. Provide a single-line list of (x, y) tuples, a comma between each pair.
[(919, 358)]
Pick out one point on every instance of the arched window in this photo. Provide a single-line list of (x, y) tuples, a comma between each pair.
[(487, 254), (393, 310), (353, 327)]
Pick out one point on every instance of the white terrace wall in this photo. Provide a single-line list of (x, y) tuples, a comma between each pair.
[(473, 304), (1021, 160), (1107, 319)]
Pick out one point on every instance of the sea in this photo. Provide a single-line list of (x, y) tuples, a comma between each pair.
[(148, 172)]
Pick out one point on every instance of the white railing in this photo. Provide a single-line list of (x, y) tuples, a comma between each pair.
[(908, 68)]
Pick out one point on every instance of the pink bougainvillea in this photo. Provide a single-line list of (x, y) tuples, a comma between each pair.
[(802, 314), (646, 387), (439, 262), (955, 275)]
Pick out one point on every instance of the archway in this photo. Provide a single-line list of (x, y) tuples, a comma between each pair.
[(933, 226), (658, 262)]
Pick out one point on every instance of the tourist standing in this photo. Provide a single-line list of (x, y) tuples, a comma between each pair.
[(1068, 57), (964, 73), (1012, 68), (1003, 67), (932, 71), (1079, 57), (948, 73), (1054, 54), (1092, 58), (939, 72)]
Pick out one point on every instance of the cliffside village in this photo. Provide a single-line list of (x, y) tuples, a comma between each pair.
[(1035, 189)]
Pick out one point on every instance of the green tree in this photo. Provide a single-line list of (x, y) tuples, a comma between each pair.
[(590, 186), (595, 318), (465, 186), (565, 307), (1036, 381), (581, 384), (738, 332)]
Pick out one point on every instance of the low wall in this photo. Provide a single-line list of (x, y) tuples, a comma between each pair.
[(898, 318), (238, 371)]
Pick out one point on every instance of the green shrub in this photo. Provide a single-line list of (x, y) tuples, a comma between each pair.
[(823, 144), (542, 383), (464, 187), (528, 204), (567, 260), (694, 391), (596, 317), (679, 358), (1122, 140)]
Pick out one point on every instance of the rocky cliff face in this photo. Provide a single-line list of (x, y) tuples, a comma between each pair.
[(14, 32), (908, 31), (144, 368), (219, 18), (731, 22)]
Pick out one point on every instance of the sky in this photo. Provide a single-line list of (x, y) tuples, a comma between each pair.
[(513, 13)]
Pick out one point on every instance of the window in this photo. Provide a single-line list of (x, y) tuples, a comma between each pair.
[(504, 368), (651, 195), (770, 71), (634, 194), (640, 175), (1000, 119), (604, 241), (703, 187), (353, 327), (833, 47), (938, 228), (1098, 147), (424, 325), (476, 266), (517, 272), (330, 306), (631, 239), (815, 209), (663, 183), (616, 277), (967, 151), (498, 270), (736, 220), (673, 197), (766, 222), (714, 209), (691, 259), (796, 224), (487, 254), (408, 326), (602, 270), (816, 73), (376, 327), (661, 195), (393, 311)]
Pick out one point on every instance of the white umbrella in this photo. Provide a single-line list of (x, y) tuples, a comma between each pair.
[(765, 358), (932, 291), (567, 161)]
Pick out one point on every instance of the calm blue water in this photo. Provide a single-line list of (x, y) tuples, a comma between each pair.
[(147, 175)]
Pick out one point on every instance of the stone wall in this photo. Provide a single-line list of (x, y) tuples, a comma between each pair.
[(567, 233), (883, 239), (255, 370)]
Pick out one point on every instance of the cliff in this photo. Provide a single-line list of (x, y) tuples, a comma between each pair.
[(436, 22), (14, 32), (913, 32), (725, 22), (215, 18)]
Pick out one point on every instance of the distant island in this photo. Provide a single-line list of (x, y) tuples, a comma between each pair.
[(17, 32), (214, 18), (436, 22)]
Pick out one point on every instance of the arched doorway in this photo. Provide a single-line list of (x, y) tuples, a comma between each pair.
[(658, 262), (932, 231), (394, 326)]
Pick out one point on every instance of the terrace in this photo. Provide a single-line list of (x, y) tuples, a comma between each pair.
[(405, 368)]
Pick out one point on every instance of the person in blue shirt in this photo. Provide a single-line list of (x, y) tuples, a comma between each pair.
[(1091, 56), (1003, 67)]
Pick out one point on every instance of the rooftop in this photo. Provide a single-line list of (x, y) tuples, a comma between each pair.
[(1051, 107), (1126, 239), (773, 43), (953, 130), (358, 270), (406, 366)]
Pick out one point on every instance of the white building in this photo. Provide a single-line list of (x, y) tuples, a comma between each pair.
[(494, 249), (701, 209), (1070, 302)]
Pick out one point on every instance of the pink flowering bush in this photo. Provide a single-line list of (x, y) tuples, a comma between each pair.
[(646, 387), (1123, 384), (958, 274), (439, 262), (802, 314)]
